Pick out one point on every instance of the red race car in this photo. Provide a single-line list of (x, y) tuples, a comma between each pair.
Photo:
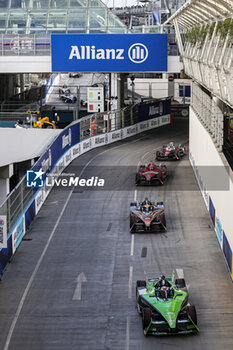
[(170, 151), (151, 174)]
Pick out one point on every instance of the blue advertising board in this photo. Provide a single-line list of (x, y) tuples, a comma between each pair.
[(152, 110), (109, 52)]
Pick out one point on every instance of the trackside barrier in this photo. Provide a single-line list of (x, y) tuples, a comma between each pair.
[(24, 203), (221, 236)]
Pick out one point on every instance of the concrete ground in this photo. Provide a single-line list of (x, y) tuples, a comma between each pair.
[(78, 291)]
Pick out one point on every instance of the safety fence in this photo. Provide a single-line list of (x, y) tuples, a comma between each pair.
[(23, 203), (40, 44)]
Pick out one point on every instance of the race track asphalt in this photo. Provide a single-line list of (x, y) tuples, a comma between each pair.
[(78, 292)]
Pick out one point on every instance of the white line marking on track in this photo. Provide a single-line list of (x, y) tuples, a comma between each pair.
[(135, 195), (130, 282), (132, 245), (78, 290), (127, 333), (180, 273)]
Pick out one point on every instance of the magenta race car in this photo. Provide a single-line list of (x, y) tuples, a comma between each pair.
[(151, 174), (170, 151)]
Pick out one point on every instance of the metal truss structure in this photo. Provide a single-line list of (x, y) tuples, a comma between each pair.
[(209, 114), (207, 59)]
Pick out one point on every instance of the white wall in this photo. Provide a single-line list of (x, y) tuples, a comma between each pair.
[(25, 64), (174, 65), (204, 153), (42, 64), (17, 145), (159, 87)]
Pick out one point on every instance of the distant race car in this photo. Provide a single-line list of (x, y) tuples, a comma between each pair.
[(67, 97), (170, 151), (151, 174), (147, 216), (164, 306)]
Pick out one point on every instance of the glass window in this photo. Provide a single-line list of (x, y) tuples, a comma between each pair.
[(102, 30), (36, 4), (3, 19), (37, 20), (115, 30), (98, 17), (17, 19), (4, 4), (60, 4), (77, 31), (17, 4), (77, 18), (57, 19), (96, 3), (114, 21), (78, 3)]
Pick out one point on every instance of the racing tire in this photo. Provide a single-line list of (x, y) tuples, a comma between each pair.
[(131, 225), (163, 223), (140, 283), (146, 317), (180, 283), (191, 310), (177, 155)]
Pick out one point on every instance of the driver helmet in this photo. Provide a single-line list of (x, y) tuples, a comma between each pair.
[(164, 292)]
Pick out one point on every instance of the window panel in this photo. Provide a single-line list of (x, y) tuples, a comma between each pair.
[(60, 4), (17, 19), (37, 20), (77, 31), (114, 21), (115, 30), (96, 3), (4, 4), (3, 19), (57, 19), (77, 18), (35, 4), (98, 17), (78, 3)]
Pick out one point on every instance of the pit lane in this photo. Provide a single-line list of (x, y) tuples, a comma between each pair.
[(92, 237)]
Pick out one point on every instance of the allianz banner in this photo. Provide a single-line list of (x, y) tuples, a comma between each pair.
[(152, 110), (109, 52)]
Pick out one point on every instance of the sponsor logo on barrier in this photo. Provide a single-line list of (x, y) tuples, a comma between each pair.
[(131, 131), (87, 144), (106, 138), (99, 140), (116, 135), (3, 231), (18, 234), (76, 150), (68, 158), (143, 126), (155, 122), (47, 163), (66, 139), (39, 201), (35, 178)]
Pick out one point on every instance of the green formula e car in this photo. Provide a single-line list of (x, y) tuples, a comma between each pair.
[(164, 307)]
